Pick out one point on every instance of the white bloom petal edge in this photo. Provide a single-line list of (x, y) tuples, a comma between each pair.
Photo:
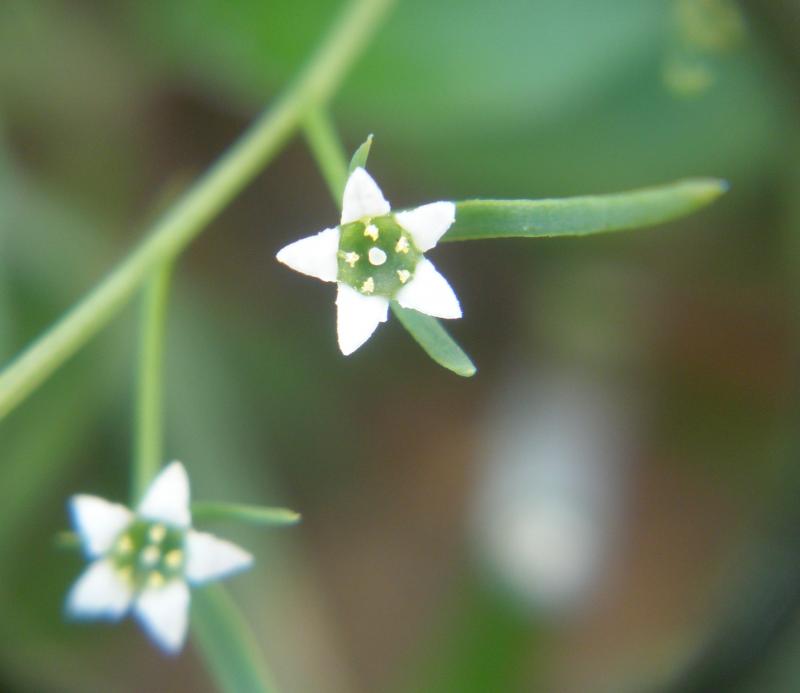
[(428, 223), (211, 558), (357, 317), (362, 198), (314, 255), (167, 498), (164, 614), (98, 522), (100, 592), (428, 292)]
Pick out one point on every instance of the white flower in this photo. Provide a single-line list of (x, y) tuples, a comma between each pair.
[(144, 561), (376, 257)]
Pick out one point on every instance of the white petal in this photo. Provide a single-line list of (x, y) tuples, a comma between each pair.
[(362, 198), (357, 317), (100, 592), (210, 558), (314, 255), (427, 224), (98, 522), (167, 498), (164, 614), (428, 292)]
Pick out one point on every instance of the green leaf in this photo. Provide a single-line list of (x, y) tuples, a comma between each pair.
[(360, 155), (230, 650), (250, 514), (579, 216), (433, 338)]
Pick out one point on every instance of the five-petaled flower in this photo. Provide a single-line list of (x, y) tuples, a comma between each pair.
[(376, 257), (145, 561)]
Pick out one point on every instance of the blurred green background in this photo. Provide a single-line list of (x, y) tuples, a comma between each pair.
[(611, 504)]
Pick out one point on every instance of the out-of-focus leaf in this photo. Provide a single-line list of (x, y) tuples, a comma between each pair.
[(474, 111), (579, 216), (360, 155), (249, 514), (234, 661), (433, 338)]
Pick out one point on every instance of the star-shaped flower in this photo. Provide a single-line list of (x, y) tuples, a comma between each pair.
[(375, 257), (144, 561)]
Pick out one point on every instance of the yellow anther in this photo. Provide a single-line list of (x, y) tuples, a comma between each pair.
[(368, 286), (126, 573), (151, 555), (351, 258), (403, 276), (174, 558), (155, 579), (157, 533), (124, 544), (371, 232), (402, 245)]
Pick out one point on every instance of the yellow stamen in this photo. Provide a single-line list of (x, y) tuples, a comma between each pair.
[(371, 232), (403, 276), (402, 245), (157, 533), (124, 544), (368, 286), (174, 558), (351, 258), (155, 579)]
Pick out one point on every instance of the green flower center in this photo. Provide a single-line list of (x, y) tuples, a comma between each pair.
[(149, 554), (376, 256)]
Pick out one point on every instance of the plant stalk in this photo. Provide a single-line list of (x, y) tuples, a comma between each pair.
[(203, 201)]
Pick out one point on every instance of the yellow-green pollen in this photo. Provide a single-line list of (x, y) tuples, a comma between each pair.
[(376, 256)]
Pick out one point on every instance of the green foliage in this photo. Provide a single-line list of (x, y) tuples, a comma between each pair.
[(230, 651), (360, 155), (580, 216), (248, 514), (433, 338)]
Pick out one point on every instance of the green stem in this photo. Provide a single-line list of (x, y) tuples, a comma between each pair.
[(327, 150), (148, 440), (199, 205), (224, 638)]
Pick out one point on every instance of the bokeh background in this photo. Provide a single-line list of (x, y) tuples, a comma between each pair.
[(611, 505)]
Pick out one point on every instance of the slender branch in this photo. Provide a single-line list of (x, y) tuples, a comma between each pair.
[(147, 458), (327, 150), (199, 205)]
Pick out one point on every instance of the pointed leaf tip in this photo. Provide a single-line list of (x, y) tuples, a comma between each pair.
[(435, 341), (249, 514), (361, 154)]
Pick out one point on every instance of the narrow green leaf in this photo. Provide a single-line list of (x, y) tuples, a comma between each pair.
[(229, 648), (433, 338), (250, 514), (578, 216), (360, 156)]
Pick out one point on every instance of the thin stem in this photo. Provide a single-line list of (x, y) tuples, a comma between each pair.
[(327, 150), (147, 456), (223, 636), (199, 205)]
